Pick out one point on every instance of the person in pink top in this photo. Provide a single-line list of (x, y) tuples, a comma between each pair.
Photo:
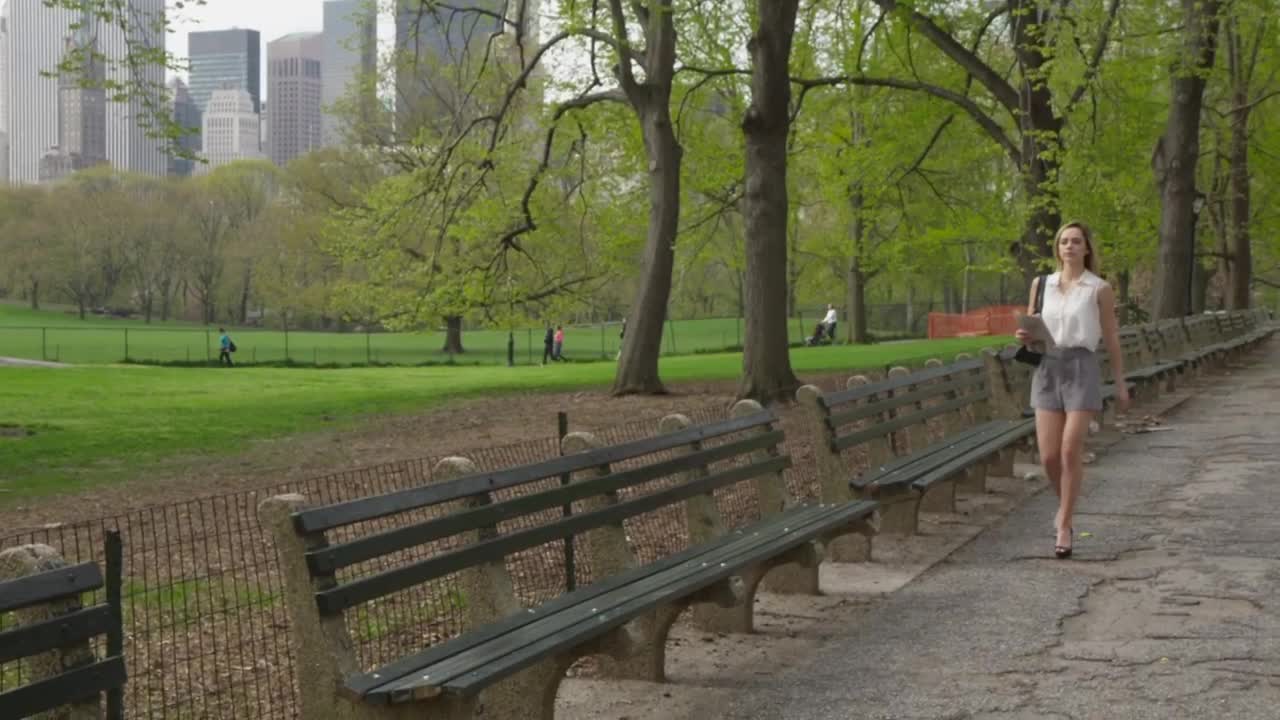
[(558, 348)]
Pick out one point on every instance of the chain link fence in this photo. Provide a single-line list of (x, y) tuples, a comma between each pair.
[(194, 345)]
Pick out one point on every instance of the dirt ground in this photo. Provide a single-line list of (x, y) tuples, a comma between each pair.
[(453, 428)]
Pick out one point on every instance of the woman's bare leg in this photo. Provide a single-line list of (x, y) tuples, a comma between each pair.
[(1074, 432), (1049, 426)]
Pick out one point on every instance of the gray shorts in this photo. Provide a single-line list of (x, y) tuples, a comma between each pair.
[(1067, 381)]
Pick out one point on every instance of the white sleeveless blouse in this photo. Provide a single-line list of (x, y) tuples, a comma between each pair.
[(1073, 317)]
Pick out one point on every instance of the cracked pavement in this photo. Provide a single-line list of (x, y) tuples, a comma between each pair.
[(1169, 609)]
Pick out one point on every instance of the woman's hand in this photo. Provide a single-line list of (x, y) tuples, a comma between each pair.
[(1122, 397)]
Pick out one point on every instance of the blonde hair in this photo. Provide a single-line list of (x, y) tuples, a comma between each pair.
[(1091, 262)]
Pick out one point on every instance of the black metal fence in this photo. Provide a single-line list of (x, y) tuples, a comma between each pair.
[(206, 632)]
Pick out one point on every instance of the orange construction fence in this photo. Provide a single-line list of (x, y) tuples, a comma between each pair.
[(990, 320)]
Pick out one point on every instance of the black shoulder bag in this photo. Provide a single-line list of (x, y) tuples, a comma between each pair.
[(1026, 354)]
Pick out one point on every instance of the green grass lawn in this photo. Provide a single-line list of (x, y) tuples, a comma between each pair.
[(61, 335), (100, 424)]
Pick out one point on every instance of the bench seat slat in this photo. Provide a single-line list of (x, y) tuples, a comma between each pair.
[(384, 583), (52, 585), (328, 517), (547, 622), (328, 559), (901, 463), (360, 685), (470, 672), (881, 404), (960, 461), (941, 453), (57, 632), (70, 686)]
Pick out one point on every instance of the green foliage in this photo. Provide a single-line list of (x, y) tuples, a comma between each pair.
[(480, 210)]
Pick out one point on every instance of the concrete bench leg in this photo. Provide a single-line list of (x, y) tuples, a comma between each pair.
[(941, 498), (899, 515), (1001, 464), (740, 618), (974, 479)]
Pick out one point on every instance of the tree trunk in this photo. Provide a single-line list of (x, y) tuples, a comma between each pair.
[(244, 294), (1200, 279), (1174, 161), (1044, 218), (793, 267), (638, 362), (1040, 133), (1239, 252), (767, 374), (856, 279), (909, 312), (857, 303), (80, 306), (35, 294), (453, 335)]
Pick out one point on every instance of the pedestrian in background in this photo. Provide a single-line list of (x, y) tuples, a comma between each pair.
[(548, 345), (558, 350), (225, 348)]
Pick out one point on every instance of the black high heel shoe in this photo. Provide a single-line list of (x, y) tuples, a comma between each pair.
[(1062, 552)]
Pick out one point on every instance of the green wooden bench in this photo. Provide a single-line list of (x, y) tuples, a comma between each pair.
[(510, 659), (910, 468), (53, 633)]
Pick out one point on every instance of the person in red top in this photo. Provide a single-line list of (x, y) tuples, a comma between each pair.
[(557, 349)]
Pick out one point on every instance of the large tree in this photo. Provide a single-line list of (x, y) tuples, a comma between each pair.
[(1176, 156), (766, 359), (1024, 115)]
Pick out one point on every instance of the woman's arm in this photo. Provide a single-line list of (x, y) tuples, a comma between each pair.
[(1023, 336), (1111, 337), (1111, 331)]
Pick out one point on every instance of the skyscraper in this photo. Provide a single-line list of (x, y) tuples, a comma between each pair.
[(34, 44), (230, 130), (82, 108), (4, 92), (294, 86), (222, 59), (350, 52), (433, 42), (187, 116)]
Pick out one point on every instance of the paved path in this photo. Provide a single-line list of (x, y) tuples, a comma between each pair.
[(1170, 609)]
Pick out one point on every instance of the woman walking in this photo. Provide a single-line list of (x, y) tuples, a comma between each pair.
[(1079, 309)]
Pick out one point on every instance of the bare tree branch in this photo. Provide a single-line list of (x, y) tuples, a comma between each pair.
[(1099, 50), (985, 121), (1003, 92)]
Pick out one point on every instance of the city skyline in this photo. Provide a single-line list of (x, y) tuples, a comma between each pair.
[(349, 35), (34, 42)]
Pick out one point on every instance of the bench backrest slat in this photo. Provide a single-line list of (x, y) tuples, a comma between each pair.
[(368, 588), (328, 559), (879, 388), (63, 689), (902, 421), (58, 632), (371, 508), (47, 586), (897, 400)]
